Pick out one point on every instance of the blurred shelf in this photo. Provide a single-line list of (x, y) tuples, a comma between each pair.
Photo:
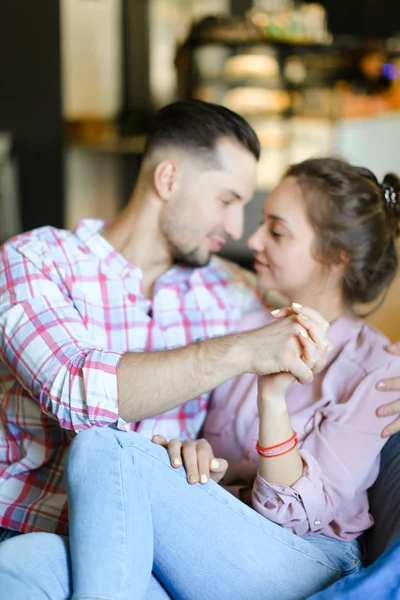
[(282, 44), (102, 136), (267, 83)]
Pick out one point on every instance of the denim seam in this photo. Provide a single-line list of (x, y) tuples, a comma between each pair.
[(122, 592), (204, 489)]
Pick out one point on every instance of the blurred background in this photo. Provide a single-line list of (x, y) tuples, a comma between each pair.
[(81, 79)]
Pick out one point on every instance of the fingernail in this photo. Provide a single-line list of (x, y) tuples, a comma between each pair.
[(381, 385), (156, 437), (385, 434), (302, 316), (303, 334), (214, 463), (382, 412), (193, 478), (296, 305), (275, 312), (203, 478), (176, 462)]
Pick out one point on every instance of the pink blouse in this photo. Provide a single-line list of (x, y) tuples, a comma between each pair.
[(338, 431)]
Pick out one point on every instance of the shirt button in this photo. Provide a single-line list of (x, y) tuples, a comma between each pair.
[(317, 523)]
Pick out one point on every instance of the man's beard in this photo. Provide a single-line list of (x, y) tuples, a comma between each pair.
[(189, 259)]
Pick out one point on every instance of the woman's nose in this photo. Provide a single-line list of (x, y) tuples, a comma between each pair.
[(255, 241)]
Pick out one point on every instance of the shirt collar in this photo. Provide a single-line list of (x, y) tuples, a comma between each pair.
[(201, 281), (113, 264)]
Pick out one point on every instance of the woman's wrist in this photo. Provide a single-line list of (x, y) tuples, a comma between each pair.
[(274, 403)]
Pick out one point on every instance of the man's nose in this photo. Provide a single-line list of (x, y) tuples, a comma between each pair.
[(234, 222)]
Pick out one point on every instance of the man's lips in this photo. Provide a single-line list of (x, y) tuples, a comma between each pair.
[(216, 244)]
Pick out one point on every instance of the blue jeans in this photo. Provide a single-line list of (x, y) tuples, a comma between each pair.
[(36, 566), (379, 581), (131, 513)]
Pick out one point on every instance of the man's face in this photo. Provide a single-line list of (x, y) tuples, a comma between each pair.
[(207, 206)]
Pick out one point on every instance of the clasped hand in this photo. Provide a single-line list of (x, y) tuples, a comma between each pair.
[(297, 344)]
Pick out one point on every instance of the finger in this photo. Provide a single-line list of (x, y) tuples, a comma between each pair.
[(299, 369), (160, 440), (175, 453), (391, 429), (278, 313), (310, 353), (389, 385), (393, 348), (218, 468), (314, 357), (189, 454), (311, 314), (204, 455), (314, 330), (386, 410)]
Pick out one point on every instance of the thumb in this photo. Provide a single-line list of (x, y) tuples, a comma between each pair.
[(393, 348), (159, 439), (218, 468)]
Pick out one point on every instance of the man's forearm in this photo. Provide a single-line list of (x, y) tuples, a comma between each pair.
[(151, 383)]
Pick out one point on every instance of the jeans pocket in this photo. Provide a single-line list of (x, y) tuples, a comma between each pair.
[(346, 557)]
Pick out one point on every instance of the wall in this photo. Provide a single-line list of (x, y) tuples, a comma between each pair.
[(374, 142), (91, 52)]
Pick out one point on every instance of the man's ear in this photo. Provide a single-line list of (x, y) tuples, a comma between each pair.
[(165, 179)]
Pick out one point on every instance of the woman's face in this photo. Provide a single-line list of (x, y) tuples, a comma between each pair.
[(282, 246)]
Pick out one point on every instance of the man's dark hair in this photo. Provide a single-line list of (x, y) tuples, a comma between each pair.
[(196, 126)]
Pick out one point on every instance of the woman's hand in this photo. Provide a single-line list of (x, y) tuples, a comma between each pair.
[(390, 385), (196, 456)]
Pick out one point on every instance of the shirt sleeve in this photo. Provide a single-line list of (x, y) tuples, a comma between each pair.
[(338, 455), (44, 342)]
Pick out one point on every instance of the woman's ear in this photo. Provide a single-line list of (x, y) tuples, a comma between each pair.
[(344, 260), (165, 179), (341, 265)]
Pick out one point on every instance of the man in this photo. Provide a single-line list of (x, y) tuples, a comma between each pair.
[(82, 314)]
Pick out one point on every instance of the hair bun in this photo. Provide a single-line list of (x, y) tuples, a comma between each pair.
[(391, 199)]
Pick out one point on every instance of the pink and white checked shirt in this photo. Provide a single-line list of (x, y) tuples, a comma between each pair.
[(70, 307)]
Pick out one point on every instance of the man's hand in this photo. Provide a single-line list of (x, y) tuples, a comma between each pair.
[(390, 385), (196, 456)]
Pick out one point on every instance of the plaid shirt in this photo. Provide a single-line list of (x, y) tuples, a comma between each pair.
[(70, 307)]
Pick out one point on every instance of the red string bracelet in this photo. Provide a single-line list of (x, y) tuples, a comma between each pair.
[(258, 447), (265, 455)]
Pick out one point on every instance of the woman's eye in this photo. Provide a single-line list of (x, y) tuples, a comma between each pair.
[(226, 202), (275, 234)]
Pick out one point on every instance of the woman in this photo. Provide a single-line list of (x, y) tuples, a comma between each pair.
[(328, 242)]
